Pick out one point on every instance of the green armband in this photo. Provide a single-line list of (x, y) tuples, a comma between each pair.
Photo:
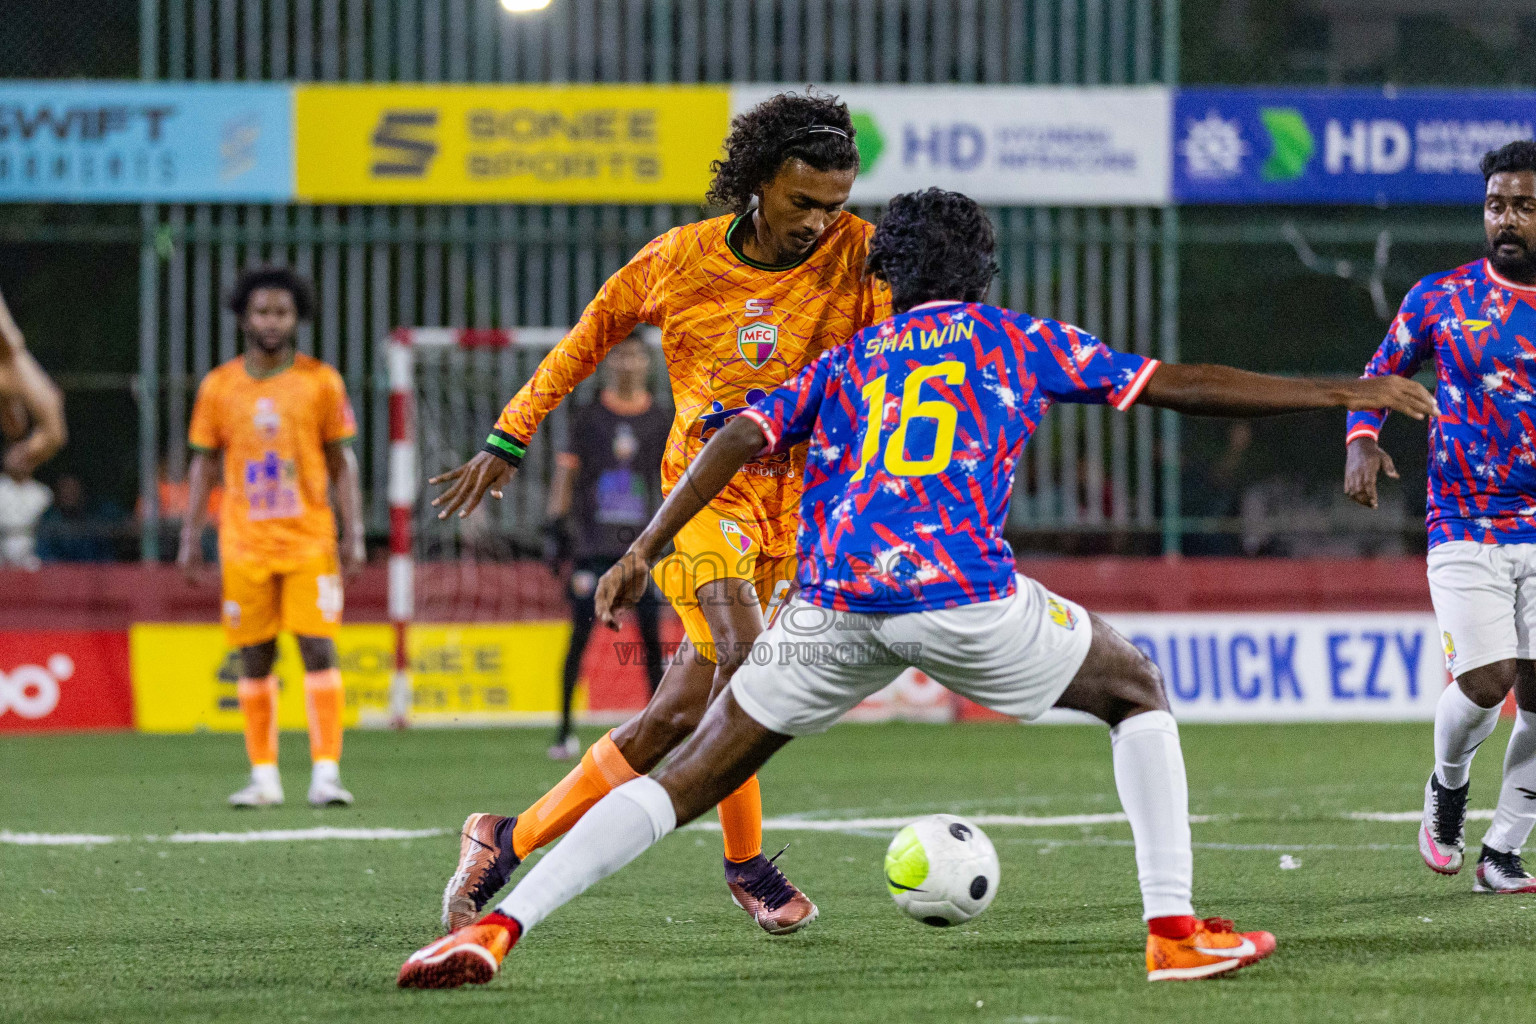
[(505, 447)]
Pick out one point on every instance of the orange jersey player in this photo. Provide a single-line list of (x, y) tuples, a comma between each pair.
[(744, 302), (284, 427)]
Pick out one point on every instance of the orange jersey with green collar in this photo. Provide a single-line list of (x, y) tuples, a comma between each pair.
[(273, 432), (731, 331)]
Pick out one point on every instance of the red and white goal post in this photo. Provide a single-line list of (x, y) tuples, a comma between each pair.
[(446, 387)]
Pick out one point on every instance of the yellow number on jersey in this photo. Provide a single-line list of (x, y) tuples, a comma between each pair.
[(912, 406)]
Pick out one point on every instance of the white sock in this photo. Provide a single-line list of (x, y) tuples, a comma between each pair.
[(1516, 813), (1460, 728), (1149, 775), (265, 775), (619, 827)]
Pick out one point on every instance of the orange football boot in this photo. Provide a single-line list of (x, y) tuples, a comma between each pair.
[(760, 888), (1213, 949), (469, 956)]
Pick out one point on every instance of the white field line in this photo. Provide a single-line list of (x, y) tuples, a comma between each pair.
[(276, 835), (1409, 815), (784, 824)]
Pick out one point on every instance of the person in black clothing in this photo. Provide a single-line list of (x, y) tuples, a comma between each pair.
[(607, 485)]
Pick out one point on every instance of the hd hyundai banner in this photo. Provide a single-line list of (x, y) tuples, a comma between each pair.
[(1356, 146)]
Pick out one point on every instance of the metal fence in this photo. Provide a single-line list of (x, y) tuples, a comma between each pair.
[(1114, 271)]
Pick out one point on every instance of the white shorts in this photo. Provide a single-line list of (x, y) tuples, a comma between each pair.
[(1485, 602), (1015, 655)]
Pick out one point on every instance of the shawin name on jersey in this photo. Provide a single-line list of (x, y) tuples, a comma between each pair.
[(915, 427)]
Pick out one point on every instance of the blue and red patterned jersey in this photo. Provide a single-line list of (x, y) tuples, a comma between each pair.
[(1481, 331), (903, 510)]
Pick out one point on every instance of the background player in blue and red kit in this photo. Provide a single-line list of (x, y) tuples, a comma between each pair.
[(915, 426), (1478, 324)]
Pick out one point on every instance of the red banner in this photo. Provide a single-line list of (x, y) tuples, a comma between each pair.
[(55, 680)]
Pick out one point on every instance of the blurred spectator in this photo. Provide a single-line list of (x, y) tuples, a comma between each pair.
[(77, 528), (173, 496), (1213, 491)]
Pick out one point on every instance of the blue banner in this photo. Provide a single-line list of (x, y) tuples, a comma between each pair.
[(1361, 146), (127, 142)]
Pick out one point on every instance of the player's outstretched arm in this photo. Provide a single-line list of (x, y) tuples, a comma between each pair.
[(736, 444), (1213, 390)]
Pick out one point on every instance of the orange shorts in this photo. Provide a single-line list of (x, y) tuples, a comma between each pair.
[(258, 601), (714, 547)]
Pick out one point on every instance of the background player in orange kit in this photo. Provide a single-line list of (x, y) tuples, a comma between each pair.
[(744, 302), (284, 425)]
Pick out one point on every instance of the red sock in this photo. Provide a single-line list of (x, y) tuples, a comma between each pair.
[(511, 925), (1180, 926)]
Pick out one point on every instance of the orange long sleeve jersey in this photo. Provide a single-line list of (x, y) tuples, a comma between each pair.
[(732, 330)]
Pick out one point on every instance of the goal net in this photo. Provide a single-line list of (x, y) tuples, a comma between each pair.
[(478, 615)]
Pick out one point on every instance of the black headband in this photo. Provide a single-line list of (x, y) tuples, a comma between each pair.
[(812, 129)]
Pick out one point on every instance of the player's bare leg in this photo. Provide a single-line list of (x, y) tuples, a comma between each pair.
[(492, 846), (732, 609), (1120, 686), (323, 703), (257, 691), (727, 749)]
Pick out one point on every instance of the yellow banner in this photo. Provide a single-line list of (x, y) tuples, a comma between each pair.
[(507, 144), (184, 677)]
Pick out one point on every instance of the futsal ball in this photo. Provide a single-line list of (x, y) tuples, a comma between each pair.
[(941, 870)]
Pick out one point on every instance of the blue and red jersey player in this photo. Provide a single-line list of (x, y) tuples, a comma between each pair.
[(1480, 330), (917, 424)]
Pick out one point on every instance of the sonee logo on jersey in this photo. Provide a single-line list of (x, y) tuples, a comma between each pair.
[(758, 307), (32, 691), (756, 343)]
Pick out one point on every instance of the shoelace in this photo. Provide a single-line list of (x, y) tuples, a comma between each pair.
[(1450, 812), (1508, 863), (769, 887)]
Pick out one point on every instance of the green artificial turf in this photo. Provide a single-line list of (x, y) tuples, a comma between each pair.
[(143, 930)]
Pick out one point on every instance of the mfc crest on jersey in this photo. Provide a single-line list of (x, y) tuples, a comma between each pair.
[(915, 427), (731, 330), (1481, 331)]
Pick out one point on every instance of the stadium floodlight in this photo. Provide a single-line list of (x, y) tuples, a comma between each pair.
[(523, 6)]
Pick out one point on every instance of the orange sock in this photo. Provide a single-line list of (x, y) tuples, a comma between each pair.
[(741, 820), (602, 769), (322, 706), (258, 706)]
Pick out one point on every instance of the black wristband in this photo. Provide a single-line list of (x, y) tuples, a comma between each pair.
[(505, 447)]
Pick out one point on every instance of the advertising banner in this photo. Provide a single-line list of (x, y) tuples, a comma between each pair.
[(124, 142), (1318, 667), (507, 144), (1359, 146), (1007, 145), (57, 680), (184, 677)]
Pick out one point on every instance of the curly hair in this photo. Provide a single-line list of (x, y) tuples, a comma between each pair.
[(931, 245), (272, 277), (774, 131), (1516, 156)]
